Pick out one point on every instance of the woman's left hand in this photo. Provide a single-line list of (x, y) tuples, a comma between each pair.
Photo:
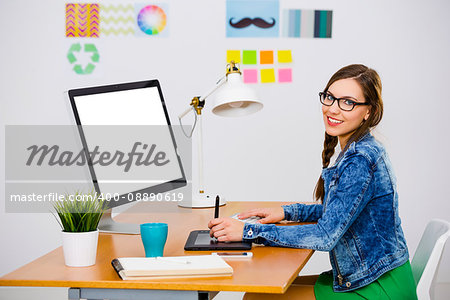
[(226, 229)]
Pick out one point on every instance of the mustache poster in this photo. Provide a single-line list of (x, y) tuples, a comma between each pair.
[(252, 18)]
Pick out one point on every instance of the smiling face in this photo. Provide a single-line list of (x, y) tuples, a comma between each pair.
[(343, 123)]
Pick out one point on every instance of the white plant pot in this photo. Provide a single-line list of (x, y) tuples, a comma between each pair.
[(80, 248)]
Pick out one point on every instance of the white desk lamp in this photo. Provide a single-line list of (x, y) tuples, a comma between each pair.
[(234, 99)]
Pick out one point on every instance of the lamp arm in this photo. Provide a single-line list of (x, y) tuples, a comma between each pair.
[(219, 83), (188, 110)]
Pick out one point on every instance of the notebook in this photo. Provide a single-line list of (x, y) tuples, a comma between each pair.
[(140, 268)]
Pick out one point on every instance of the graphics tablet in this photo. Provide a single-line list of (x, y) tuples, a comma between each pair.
[(199, 240)]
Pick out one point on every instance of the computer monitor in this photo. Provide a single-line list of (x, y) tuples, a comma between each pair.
[(114, 116)]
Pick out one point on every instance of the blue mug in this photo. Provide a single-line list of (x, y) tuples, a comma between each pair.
[(154, 236)]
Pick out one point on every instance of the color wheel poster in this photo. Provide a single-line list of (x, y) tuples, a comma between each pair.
[(152, 19)]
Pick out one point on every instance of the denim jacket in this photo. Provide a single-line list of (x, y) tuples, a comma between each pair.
[(358, 222)]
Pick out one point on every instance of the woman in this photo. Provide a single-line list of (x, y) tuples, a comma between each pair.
[(357, 221)]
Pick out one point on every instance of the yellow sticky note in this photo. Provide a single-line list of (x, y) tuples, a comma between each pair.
[(234, 55), (284, 56), (267, 75)]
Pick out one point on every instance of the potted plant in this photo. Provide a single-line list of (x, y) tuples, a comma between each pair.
[(79, 215)]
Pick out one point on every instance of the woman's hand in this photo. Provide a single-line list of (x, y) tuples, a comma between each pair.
[(268, 215), (226, 229)]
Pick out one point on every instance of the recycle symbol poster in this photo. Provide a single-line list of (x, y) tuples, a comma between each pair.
[(83, 57)]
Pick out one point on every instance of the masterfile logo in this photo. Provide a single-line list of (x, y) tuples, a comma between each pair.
[(54, 156)]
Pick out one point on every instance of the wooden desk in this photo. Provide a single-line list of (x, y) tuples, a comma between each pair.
[(271, 270)]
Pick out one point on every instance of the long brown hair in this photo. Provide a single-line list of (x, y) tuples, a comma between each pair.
[(370, 83)]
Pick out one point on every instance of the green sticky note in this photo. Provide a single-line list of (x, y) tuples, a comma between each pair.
[(284, 56), (234, 55), (267, 75), (249, 57)]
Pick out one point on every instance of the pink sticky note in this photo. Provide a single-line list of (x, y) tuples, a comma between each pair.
[(284, 75), (251, 76)]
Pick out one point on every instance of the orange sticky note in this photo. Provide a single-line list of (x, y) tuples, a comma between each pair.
[(267, 75), (266, 57), (284, 56), (234, 55)]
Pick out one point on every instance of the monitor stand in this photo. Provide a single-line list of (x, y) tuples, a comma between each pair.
[(107, 224)]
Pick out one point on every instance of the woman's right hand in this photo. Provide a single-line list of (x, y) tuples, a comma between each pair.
[(267, 215)]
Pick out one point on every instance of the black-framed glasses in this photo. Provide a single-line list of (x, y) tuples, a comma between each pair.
[(343, 103)]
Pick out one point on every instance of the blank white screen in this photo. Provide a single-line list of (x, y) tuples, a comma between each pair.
[(140, 106), (132, 107)]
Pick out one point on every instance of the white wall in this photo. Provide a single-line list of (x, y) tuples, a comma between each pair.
[(272, 155)]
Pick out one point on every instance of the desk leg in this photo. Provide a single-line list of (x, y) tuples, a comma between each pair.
[(206, 295), (74, 294), (129, 294)]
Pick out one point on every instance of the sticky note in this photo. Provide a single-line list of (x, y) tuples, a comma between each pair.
[(267, 75), (284, 56), (249, 57), (250, 76), (284, 75), (234, 55), (266, 57)]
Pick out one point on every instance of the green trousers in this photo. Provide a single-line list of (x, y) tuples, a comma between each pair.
[(396, 284)]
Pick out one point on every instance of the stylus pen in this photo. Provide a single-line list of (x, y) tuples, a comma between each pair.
[(233, 254), (216, 209)]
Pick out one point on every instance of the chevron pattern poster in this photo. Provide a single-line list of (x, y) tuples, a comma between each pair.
[(117, 20), (82, 20)]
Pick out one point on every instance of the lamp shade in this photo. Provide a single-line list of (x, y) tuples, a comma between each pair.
[(235, 99)]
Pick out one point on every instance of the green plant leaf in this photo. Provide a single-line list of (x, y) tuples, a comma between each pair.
[(80, 212)]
